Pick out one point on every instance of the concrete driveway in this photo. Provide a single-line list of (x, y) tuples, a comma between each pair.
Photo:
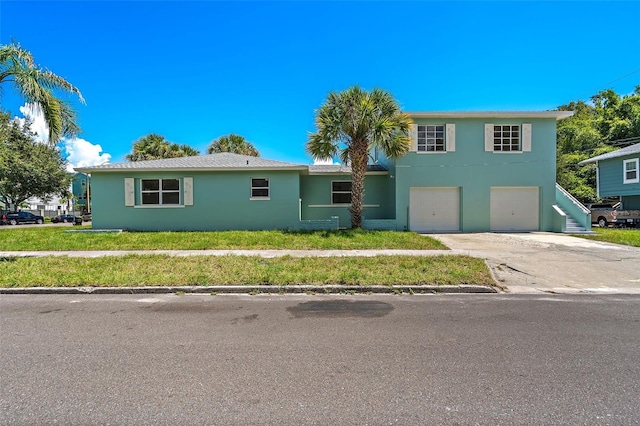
[(553, 263)]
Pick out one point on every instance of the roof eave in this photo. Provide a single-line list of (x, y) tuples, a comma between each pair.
[(558, 115), (185, 169), (346, 172)]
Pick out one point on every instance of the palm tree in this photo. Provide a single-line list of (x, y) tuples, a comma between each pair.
[(349, 125), (37, 85), (232, 143), (155, 147)]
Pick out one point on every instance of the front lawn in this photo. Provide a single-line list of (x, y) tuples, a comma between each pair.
[(55, 238), (628, 237), (162, 270)]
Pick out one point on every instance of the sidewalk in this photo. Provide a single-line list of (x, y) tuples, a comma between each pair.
[(260, 253)]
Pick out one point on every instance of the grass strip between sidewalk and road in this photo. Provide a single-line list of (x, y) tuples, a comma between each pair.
[(54, 238), (164, 270)]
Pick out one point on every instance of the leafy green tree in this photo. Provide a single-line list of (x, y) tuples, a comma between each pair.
[(28, 168), (235, 144), (39, 86), (155, 147), (349, 125), (595, 128)]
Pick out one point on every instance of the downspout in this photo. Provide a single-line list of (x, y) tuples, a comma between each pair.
[(598, 179)]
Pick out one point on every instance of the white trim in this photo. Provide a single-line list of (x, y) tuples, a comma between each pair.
[(434, 138), (558, 115), (635, 161), (510, 139), (450, 137), (259, 198), (114, 168), (161, 192), (598, 179), (350, 192), (347, 173), (525, 137), (413, 133), (341, 205), (188, 191), (488, 137), (152, 206), (268, 187), (129, 192)]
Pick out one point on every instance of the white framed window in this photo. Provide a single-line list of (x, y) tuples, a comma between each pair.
[(631, 170), (160, 192), (506, 137), (431, 138), (259, 188), (341, 192)]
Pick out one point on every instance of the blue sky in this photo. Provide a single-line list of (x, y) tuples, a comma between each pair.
[(193, 71)]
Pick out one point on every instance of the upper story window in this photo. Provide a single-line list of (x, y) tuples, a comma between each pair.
[(506, 138), (341, 192), (631, 171), (259, 188), (160, 191), (431, 138)]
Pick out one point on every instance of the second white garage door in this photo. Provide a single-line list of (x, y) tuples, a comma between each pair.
[(434, 209), (515, 208)]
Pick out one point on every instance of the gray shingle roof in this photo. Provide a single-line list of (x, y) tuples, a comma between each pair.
[(341, 168), (222, 161), (630, 150)]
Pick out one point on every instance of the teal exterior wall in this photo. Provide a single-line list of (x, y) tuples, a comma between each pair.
[(315, 192), (610, 178), (475, 171), (221, 201)]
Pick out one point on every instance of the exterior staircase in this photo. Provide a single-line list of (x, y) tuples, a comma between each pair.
[(573, 217), (573, 227)]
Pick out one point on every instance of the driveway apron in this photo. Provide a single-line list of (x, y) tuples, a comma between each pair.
[(552, 263)]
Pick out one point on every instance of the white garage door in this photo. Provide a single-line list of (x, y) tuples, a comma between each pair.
[(515, 208), (434, 209)]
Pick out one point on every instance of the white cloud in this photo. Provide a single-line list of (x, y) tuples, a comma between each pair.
[(323, 161), (80, 152), (33, 113)]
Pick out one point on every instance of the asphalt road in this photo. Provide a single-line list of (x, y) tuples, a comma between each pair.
[(297, 360)]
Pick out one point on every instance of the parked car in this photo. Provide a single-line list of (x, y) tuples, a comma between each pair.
[(67, 218), (605, 214), (15, 218)]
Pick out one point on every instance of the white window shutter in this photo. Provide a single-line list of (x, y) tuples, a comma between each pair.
[(488, 137), (188, 191), (413, 134), (129, 192), (451, 137), (526, 137)]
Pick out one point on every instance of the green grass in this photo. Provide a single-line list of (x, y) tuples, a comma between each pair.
[(162, 270), (56, 239), (628, 237)]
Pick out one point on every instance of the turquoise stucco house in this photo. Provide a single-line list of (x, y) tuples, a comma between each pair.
[(465, 172), (618, 175)]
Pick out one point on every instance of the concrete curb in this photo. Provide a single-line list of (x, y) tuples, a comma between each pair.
[(257, 289)]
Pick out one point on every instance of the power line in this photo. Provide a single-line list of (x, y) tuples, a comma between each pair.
[(603, 86)]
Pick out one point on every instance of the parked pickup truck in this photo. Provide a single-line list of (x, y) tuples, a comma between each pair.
[(21, 217), (611, 214)]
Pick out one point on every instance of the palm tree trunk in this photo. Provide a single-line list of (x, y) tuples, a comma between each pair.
[(359, 158)]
